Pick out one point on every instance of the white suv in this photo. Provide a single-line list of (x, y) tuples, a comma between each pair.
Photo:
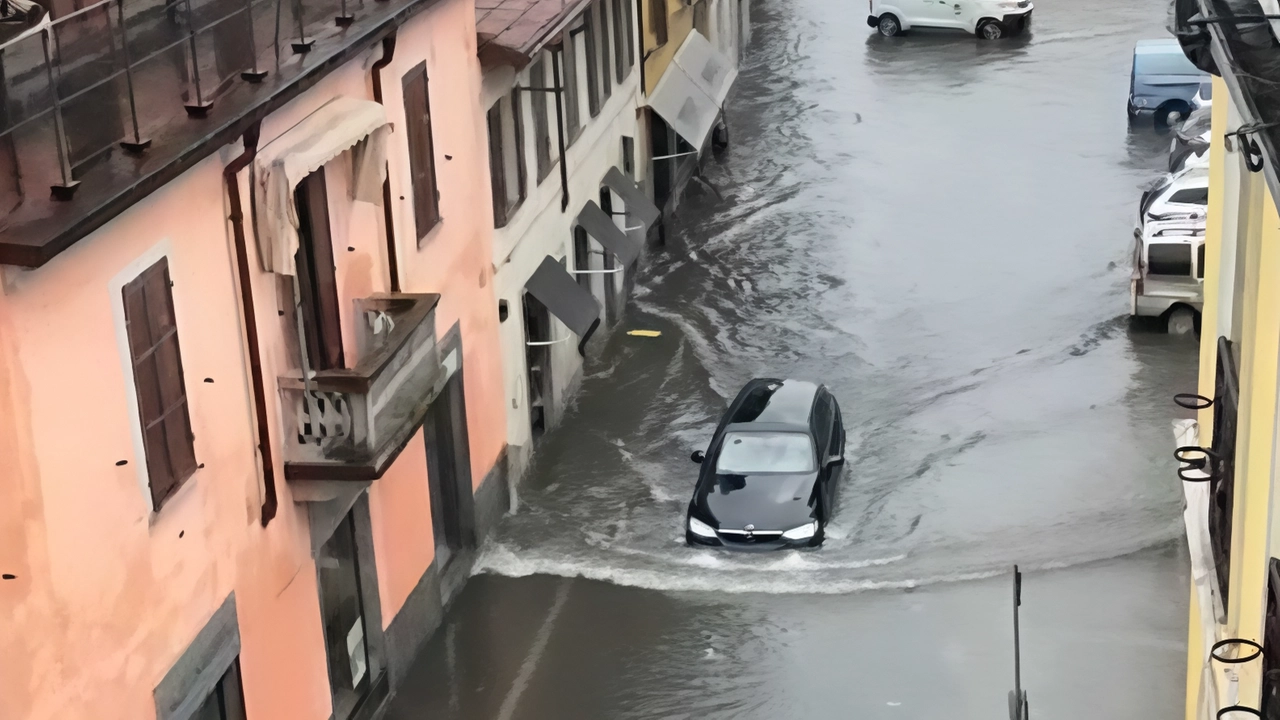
[(990, 19)]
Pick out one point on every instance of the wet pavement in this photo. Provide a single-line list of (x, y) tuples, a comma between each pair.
[(938, 228)]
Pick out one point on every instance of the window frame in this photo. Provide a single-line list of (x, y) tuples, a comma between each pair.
[(508, 107), (200, 672), (621, 67), (591, 27), (156, 494), (422, 161), (544, 158), (569, 82), (605, 34)]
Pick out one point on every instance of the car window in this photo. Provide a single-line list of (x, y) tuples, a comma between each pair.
[(745, 453), (1165, 63), (1191, 196)]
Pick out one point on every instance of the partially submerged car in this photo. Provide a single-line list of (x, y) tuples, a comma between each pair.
[(1167, 280), (1162, 83), (988, 19), (1181, 197), (768, 477)]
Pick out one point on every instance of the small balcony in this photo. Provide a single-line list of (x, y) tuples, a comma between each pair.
[(349, 424)]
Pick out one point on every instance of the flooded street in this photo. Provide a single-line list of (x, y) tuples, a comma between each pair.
[(938, 229)]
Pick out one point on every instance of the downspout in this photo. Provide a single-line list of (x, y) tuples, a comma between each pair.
[(269, 503), (564, 159), (393, 263)]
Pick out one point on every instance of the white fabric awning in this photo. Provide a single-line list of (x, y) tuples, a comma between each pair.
[(691, 93), (339, 125)]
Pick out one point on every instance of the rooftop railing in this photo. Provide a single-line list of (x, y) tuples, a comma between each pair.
[(112, 74)]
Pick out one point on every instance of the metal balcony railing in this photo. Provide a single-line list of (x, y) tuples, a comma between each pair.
[(349, 424), (108, 76)]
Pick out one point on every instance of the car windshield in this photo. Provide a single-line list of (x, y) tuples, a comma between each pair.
[(746, 453), (1191, 196)]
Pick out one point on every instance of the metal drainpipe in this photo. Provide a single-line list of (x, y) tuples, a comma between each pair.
[(269, 503), (393, 263), (564, 159)]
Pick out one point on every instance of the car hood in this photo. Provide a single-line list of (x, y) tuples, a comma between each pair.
[(770, 501)]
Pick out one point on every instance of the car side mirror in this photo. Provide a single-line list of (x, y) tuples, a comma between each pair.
[(835, 459), (698, 456)]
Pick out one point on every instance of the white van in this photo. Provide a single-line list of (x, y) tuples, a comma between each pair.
[(1168, 273), (990, 19)]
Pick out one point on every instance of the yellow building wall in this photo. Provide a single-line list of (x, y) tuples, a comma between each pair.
[(1208, 353), (658, 57), (1258, 302)]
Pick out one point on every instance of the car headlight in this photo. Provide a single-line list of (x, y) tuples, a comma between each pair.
[(804, 532), (701, 529), (1140, 102)]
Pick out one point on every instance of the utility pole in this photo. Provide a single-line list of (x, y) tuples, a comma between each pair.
[(1018, 708)]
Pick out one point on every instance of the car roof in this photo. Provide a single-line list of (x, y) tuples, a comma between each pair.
[(775, 402), (1161, 45)]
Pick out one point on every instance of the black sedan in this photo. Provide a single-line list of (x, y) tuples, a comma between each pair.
[(769, 476)]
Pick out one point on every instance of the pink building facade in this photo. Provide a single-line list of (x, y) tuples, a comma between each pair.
[(252, 413)]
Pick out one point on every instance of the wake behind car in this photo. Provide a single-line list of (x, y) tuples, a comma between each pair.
[(768, 476), (988, 19)]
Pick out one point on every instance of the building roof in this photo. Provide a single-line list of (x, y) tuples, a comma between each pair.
[(511, 32)]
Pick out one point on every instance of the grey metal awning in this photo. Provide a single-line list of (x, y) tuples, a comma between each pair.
[(555, 288), (691, 93), (600, 226), (639, 206)]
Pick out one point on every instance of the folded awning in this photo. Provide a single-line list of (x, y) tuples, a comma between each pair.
[(691, 93), (339, 125), (639, 206), (555, 288), (601, 227)]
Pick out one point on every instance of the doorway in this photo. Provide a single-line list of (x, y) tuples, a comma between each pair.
[(317, 282), (449, 471), (610, 262), (537, 335), (342, 611)]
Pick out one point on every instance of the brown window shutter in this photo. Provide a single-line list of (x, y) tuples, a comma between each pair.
[(417, 107), (496, 181), (157, 374), (658, 17)]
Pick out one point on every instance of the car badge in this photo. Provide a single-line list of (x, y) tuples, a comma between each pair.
[(750, 530)]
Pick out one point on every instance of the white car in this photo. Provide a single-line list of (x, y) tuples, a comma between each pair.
[(1168, 273), (1204, 96), (1181, 197), (990, 19)]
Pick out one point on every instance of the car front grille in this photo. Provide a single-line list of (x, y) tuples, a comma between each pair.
[(1024, 3), (745, 537)]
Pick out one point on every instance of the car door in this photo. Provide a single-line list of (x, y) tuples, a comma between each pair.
[(947, 13), (820, 426)]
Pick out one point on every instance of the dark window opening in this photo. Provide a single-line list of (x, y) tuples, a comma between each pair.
[(226, 702), (610, 263), (606, 77), (541, 122), (449, 472), (1226, 400), (1200, 261), (506, 158), (701, 22), (1271, 645), (1169, 259), (158, 381), (1191, 196), (537, 329), (422, 164), (317, 281), (582, 256), (572, 101), (343, 616), (629, 156), (593, 59), (662, 164)]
